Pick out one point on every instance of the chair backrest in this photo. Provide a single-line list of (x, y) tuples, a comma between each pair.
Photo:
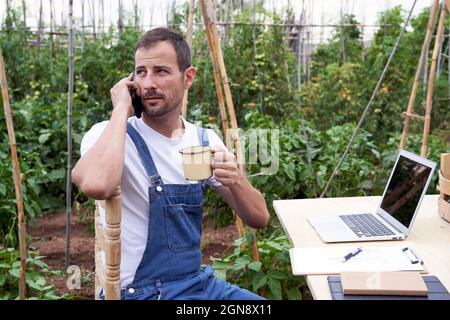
[(107, 247)]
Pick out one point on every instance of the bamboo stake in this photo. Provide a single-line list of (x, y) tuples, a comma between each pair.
[(419, 73), (260, 97), (218, 59), (220, 100), (439, 59), (228, 98), (69, 136), (431, 78), (21, 225), (189, 42), (234, 128), (233, 120)]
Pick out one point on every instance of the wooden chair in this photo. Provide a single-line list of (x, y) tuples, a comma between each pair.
[(107, 247), (444, 187)]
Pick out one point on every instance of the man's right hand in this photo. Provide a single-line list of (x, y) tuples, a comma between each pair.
[(120, 95)]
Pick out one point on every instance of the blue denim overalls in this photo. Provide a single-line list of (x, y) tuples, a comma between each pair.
[(171, 264)]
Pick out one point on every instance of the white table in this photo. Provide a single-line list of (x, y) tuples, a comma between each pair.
[(430, 235)]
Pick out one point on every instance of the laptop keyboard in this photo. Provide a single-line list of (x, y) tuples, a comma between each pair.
[(366, 225)]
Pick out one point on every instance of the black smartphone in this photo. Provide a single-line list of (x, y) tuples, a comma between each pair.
[(136, 101)]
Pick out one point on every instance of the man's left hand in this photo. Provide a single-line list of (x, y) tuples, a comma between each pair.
[(224, 166)]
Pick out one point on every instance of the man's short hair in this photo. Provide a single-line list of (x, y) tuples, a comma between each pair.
[(154, 36)]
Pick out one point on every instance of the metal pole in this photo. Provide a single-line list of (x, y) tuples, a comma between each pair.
[(69, 137)]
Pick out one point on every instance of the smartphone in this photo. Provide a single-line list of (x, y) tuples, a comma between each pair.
[(136, 101)]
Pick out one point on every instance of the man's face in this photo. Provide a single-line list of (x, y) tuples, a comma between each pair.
[(160, 81)]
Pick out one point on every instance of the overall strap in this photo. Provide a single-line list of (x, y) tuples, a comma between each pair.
[(203, 137), (144, 153)]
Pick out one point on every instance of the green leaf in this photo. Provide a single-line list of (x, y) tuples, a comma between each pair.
[(43, 138), (255, 266), (220, 274), (275, 288), (243, 260), (293, 294), (259, 280), (275, 245), (33, 285), (40, 281), (220, 265), (2, 279), (277, 274), (14, 272), (56, 174), (49, 296), (5, 266)]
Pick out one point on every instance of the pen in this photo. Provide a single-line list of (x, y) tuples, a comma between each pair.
[(351, 254)]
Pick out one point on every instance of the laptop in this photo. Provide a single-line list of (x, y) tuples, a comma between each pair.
[(394, 217)]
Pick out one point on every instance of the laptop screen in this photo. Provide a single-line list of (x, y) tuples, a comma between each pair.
[(405, 189)]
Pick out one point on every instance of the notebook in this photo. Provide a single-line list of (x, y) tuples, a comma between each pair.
[(436, 291), (401, 283), (330, 259)]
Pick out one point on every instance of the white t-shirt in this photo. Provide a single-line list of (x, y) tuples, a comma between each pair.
[(135, 183)]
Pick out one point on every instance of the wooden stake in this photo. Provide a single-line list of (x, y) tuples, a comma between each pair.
[(217, 61), (17, 180), (189, 42), (216, 74), (419, 73), (431, 78)]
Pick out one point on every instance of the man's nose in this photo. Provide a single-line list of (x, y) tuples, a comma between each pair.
[(149, 82)]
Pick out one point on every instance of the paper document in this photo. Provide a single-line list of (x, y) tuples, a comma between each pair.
[(334, 259)]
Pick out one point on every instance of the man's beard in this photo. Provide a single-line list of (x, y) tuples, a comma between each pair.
[(160, 110)]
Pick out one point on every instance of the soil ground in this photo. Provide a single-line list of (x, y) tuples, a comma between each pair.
[(49, 234)]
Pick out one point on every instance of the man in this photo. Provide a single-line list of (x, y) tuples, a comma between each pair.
[(161, 210)]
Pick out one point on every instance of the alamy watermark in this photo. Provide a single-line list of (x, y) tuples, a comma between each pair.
[(257, 147)]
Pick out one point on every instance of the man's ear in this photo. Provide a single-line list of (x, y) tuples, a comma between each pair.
[(189, 76)]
